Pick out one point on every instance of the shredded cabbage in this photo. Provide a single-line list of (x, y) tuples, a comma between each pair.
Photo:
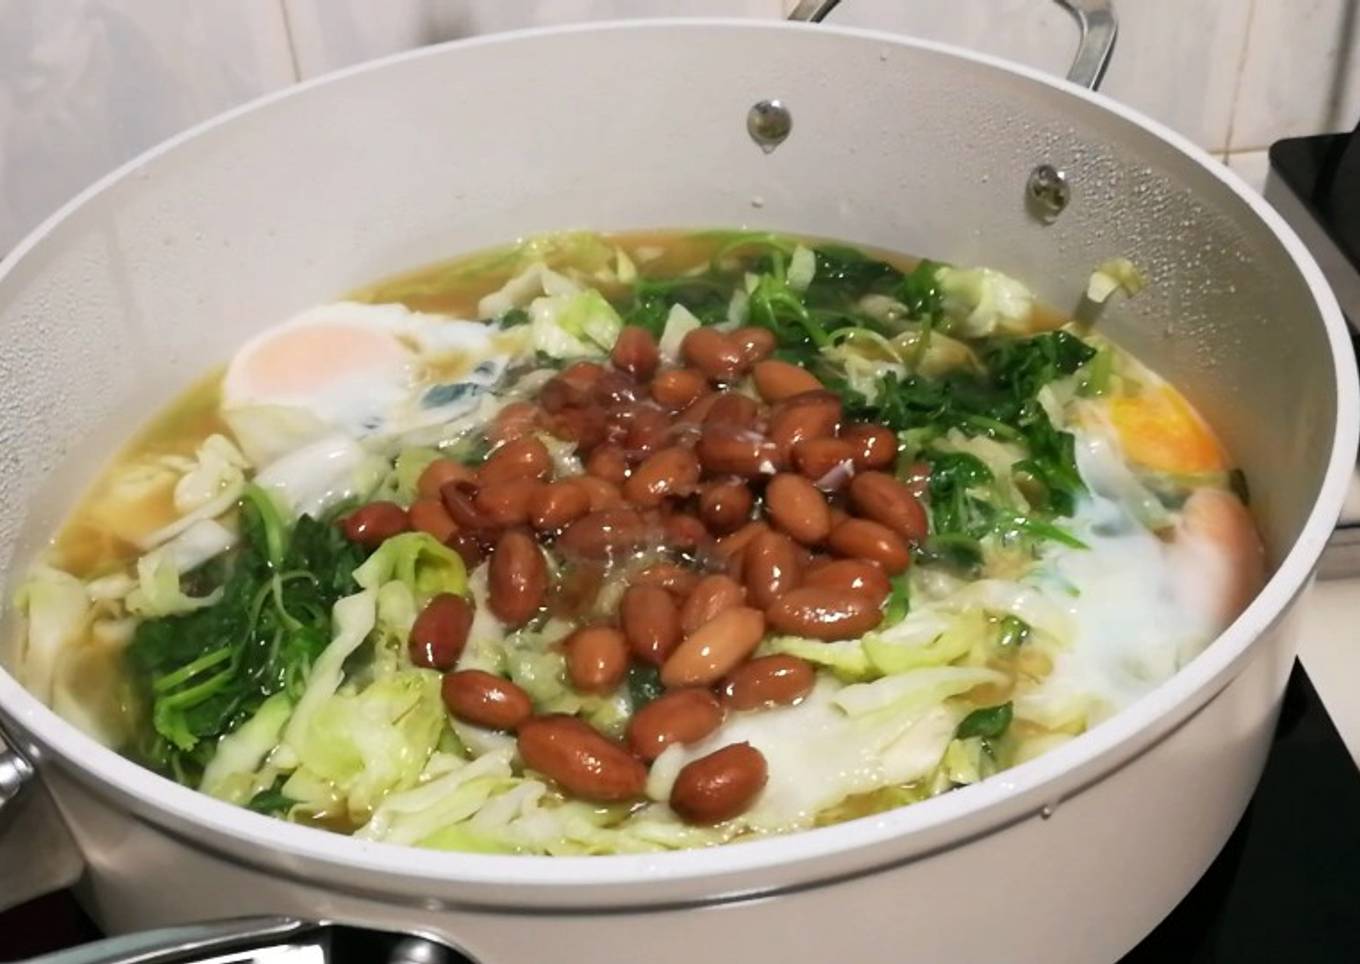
[(802, 268), (1116, 274), (982, 302), (353, 618), (231, 774), (579, 325), (424, 564), (679, 323), (370, 743), (57, 609), (158, 592)]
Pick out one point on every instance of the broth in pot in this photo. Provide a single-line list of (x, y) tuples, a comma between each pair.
[(602, 544)]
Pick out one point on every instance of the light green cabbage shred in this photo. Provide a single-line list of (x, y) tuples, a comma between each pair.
[(370, 743), (158, 591), (982, 301), (1116, 274), (578, 325), (231, 774), (424, 564), (57, 609), (679, 323)]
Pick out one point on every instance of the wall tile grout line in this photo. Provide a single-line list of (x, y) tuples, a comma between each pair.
[(287, 23), (1241, 72)]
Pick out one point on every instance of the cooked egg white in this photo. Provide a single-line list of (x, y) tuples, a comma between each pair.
[(369, 372)]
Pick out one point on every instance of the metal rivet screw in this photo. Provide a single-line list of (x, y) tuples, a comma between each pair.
[(769, 123), (1047, 192)]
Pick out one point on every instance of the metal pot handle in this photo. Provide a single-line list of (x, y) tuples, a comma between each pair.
[(1095, 19), (283, 940), (36, 848)]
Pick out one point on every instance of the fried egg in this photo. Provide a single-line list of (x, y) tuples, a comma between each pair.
[(370, 372)]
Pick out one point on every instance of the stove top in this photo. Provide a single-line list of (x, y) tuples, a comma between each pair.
[(1285, 888)]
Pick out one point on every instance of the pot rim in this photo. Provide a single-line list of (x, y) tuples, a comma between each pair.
[(973, 810)]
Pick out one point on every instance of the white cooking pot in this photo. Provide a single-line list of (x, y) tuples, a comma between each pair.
[(158, 272)]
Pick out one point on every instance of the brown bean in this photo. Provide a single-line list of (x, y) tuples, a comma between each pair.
[(733, 408), (678, 388), (828, 462), (806, 416), (603, 494), (440, 473), (875, 446), (638, 429), (670, 472), (440, 632), (515, 420), (777, 380), (838, 515), (604, 533), (756, 343), (725, 506), (731, 450), (469, 549), (517, 581), (865, 539), (715, 648), (917, 478), (770, 568), (710, 596), (597, 658), (583, 425), (585, 763), (582, 374), (680, 716), (484, 699), (651, 623), (880, 497), (713, 353), (614, 388), (506, 503), (519, 458), (608, 462), (635, 352), (574, 594), (676, 580), (371, 525), (693, 415), (558, 504), (559, 395), (775, 680), (719, 786), (459, 502), (734, 546), (796, 507), (823, 613), (679, 530), (850, 576), (430, 516)]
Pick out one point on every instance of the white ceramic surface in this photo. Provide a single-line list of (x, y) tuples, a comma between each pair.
[(1250, 166), (175, 261), (86, 84), (330, 34), (1301, 72), (1175, 60)]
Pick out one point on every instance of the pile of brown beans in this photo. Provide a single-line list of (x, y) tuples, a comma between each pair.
[(770, 511)]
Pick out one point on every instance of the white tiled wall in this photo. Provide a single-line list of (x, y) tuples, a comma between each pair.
[(86, 84)]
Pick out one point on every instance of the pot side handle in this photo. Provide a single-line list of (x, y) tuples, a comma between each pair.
[(36, 848), (1095, 18)]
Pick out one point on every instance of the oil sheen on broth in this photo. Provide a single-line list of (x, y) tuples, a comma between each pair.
[(675, 538)]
